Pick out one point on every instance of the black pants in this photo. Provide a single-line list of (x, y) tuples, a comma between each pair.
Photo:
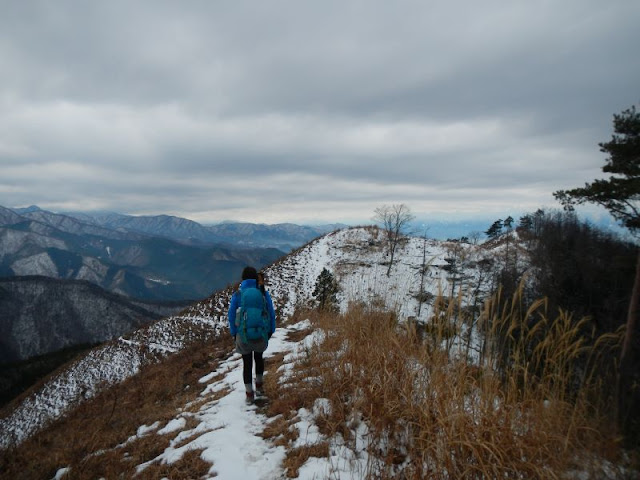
[(247, 366)]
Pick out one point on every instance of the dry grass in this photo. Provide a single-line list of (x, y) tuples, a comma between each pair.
[(296, 457), (280, 432), (190, 467), (108, 424), (434, 416)]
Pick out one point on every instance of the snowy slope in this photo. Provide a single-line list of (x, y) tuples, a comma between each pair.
[(355, 256)]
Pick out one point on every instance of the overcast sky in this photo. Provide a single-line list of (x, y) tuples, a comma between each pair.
[(277, 111)]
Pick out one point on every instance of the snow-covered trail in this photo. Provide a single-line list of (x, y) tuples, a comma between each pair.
[(233, 445), (228, 430)]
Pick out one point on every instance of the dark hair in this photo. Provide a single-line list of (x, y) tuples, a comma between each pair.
[(261, 282), (249, 273)]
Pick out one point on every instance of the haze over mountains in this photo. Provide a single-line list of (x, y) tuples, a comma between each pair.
[(284, 236), (153, 258)]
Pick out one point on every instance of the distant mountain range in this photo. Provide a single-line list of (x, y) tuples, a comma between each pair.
[(154, 258), (283, 236)]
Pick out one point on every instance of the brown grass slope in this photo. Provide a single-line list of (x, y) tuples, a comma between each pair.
[(432, 415)]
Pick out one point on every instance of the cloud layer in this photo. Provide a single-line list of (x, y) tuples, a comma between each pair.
[(300, 111)]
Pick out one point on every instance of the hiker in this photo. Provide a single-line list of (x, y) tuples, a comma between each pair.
[(252, 321)]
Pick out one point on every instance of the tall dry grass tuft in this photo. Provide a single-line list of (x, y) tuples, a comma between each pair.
[(556, 357), (526, 411)]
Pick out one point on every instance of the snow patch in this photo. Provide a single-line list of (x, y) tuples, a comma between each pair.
[(173, 425)]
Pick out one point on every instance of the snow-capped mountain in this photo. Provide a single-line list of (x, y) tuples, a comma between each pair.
[(357, 257)]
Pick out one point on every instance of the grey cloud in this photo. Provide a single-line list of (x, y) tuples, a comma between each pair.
[(181, 107)]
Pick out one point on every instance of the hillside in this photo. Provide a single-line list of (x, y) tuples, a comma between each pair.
[(44, 321), (208, 428), (39, 315)]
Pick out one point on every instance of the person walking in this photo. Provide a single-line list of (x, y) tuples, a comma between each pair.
[(252, 321)]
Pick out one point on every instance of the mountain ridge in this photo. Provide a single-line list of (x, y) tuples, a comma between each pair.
[(284, 236)]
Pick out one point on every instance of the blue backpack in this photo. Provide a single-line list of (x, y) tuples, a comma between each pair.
[(252, 318)]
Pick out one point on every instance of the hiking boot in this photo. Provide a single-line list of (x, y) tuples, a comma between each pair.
[(249, 399), (259, 390)]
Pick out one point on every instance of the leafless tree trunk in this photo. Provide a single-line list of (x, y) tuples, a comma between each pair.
[(423, 271), (628, 388)]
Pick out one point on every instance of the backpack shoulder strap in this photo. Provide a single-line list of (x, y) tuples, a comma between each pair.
[(241, 297)]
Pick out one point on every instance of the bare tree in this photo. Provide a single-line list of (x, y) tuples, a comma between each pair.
[(423, 271), (394, 220), (474, 237)]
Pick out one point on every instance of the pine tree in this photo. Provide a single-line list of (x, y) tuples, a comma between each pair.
[(508, 223), (526, 223), (620, 194), (495, 229), (326, 291)]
